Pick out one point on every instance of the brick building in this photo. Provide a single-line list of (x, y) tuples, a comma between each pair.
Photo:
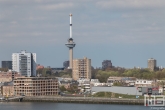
[(36, 86)]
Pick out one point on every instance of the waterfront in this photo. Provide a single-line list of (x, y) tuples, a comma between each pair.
[(66, 106)]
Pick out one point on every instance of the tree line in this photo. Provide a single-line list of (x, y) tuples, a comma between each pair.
[(103, 75)]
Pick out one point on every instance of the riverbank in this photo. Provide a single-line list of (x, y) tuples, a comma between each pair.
[(90, 100)]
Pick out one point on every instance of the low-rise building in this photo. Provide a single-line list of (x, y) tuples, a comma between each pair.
[(102, 84), (129, 83), (7, 90), (65, 83), (86, 87), (84, 84), (143, 83), (1, 84), (150, 91), (93, 81), (8, 76), (82, 80), (39, 67), (36, 86), (112, 80)]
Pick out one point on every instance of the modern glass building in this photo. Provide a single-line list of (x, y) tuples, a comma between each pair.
[(7, 64)]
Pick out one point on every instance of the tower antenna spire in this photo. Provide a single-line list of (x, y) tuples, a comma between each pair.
[(70, 25), (70, 44)]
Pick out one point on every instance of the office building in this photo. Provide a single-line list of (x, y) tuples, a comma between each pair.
[(152, 64), (36, 86), (7, 64), (81, 69), (66, 64), (106, 64), (24, 63)]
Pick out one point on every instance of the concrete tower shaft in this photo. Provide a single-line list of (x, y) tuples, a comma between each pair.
[(70, 44)]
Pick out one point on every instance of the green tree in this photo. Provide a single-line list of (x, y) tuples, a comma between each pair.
[(117, 84), (62, 89), (4, 69)]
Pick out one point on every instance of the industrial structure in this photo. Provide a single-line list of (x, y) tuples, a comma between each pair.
[(24, 63), (152, 64), (70, 44), (81, 69)]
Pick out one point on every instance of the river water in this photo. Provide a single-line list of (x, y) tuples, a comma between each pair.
[(67, 106)]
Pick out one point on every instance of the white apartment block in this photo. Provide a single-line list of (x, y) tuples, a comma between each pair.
[(24, 63)]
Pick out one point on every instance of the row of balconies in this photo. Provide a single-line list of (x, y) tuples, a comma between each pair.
[(36, 89), (35, 84), (38, 94), (53, 85), (52, 81)]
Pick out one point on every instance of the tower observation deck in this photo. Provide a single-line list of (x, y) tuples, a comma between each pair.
[(70, 44)]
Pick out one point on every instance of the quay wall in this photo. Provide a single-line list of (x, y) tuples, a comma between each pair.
[(89, 100)]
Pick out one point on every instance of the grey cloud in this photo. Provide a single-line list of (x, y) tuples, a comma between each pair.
[(127, 4), (48, 19), (57, 6)]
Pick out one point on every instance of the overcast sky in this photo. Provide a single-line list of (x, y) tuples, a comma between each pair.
[(127, 32)]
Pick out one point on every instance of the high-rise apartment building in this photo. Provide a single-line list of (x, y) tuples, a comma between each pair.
[(24, 63), (81, 68), (7, 64), (152, 64), (106, 64)]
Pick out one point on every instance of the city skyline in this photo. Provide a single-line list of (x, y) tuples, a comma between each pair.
[(127, 32)]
